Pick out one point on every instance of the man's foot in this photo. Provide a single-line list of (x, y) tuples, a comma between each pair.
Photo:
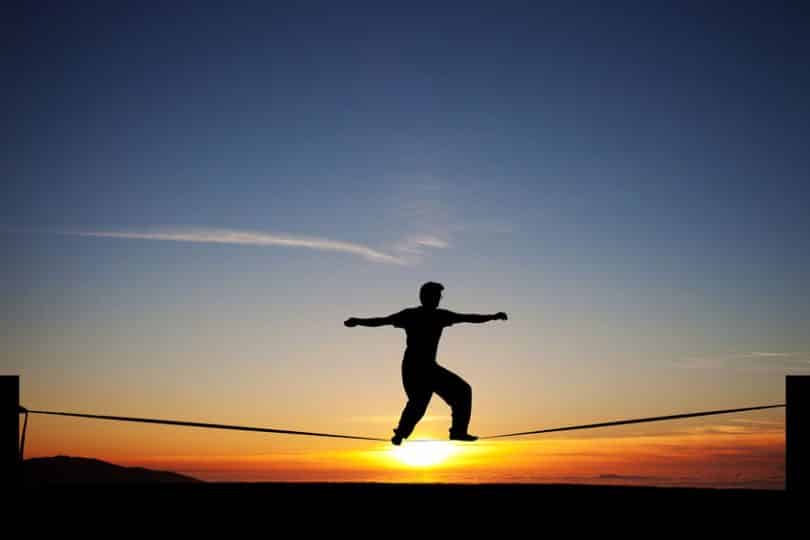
[(462, 437), (396, 440)]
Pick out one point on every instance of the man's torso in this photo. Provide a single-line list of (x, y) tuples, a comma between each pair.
[(424, 330)]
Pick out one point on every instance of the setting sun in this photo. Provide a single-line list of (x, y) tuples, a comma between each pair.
[(424, 453)]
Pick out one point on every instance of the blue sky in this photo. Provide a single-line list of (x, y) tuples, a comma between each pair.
[(628, 182)]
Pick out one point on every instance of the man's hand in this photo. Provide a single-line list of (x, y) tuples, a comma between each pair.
[(500, 316), (350, 322)]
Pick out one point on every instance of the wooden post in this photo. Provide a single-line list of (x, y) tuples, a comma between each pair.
[(9, 430), (797, 434)]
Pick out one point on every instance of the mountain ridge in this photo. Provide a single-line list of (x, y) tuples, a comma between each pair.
[(80, 470)]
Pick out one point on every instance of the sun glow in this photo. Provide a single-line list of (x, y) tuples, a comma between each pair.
[(424, 453)]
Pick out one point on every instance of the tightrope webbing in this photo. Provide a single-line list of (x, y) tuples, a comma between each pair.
[(634, 421), (204, 425), (25, 428), (356, 437)]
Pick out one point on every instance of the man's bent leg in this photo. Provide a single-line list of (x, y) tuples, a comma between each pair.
[(458, 394), (418, 387), (413, 412)]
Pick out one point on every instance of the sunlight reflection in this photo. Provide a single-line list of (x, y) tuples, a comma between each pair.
[(424, 453)]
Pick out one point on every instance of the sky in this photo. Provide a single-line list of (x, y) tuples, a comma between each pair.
[(197, 195)]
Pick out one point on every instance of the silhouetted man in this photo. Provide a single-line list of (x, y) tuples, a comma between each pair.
[(421, 375)]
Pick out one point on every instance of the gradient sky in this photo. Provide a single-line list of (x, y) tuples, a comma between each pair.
[(197, 195)]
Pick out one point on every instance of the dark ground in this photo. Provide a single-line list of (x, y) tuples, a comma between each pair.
[(151, 497), (424, 510)]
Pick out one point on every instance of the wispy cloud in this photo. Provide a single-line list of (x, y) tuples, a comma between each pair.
[(413, 247), (428, 203), (749, 361), (417, 242), (249, 238)]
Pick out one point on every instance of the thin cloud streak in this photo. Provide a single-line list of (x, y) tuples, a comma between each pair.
[(248, 238), (749, 361), (415, 244), (413, 247)]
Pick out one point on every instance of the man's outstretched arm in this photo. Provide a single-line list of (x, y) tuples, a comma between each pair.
[(476, 318), (373, 321)]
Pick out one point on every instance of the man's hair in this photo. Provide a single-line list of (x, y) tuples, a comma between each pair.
[(429, 289)]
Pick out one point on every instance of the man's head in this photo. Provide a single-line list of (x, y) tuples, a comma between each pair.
[(430, 294)]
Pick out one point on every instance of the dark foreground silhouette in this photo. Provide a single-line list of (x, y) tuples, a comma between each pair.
[(356, 504), (64, 470), (177, 500), (421, 374)]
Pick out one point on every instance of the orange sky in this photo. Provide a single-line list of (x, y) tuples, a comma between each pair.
[(514, 393), (744, 450)]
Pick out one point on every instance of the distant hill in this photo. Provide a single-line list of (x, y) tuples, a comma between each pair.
[(75, 470)]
